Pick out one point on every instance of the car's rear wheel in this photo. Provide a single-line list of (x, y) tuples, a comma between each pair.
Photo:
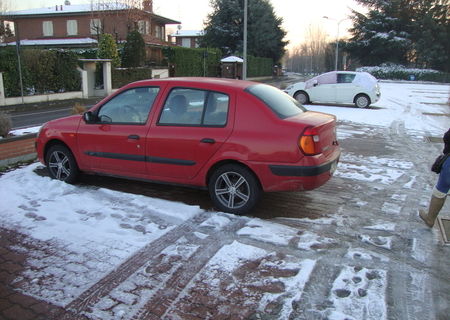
[(234, 189), (362, 101), (301, 97), (61, 164)]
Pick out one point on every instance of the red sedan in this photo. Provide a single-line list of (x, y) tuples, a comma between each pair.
[(235, 138)]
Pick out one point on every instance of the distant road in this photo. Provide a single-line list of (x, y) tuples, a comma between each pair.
[(26, 119)]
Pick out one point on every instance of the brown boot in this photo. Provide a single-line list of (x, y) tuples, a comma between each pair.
[(433, 211)]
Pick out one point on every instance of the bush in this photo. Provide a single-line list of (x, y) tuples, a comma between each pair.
[(5, 124), (123, 76), (67, 76), (9, 67), (107, 49), (78, 108), (388, 71), (258, 67), (134, 50), (43, 71), (41, 65), (193, 62)]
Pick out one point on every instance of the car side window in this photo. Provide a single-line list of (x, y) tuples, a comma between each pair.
[(194, 107), (345, 78), (129, 107)]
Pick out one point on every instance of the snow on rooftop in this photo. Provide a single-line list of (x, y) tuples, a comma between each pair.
[(50, 42), (75, 8), (188, 33), (232, 59)]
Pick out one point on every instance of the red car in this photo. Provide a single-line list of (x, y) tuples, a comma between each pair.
[(236, 138)]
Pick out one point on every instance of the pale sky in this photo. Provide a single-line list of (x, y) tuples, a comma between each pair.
[(297, 14)]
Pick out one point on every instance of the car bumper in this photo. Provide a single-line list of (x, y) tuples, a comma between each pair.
[(289, 177)]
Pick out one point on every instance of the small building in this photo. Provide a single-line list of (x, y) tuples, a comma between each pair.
[(80, 25), (186, 38), (232, 67)]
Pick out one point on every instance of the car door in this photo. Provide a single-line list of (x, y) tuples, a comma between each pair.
[(346, 89), (115, 141), (192, 125), (324, 88)]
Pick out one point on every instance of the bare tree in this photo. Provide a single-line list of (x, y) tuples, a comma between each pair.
[(109, 16), (309, 55)]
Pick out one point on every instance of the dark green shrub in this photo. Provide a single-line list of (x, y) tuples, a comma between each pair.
[(133, 50), (122, 76), (193, 62), (259, 67), (67, 76), (398, 72), (41, 65), (43, 71), (9, 67)]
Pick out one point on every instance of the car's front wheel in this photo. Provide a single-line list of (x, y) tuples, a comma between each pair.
[(362, 101), (61, 164), (234, 189), (301, 97)]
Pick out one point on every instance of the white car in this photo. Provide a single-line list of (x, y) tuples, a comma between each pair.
[(339, 87)]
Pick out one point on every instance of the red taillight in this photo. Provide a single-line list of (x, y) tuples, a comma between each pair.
[(309, 142)]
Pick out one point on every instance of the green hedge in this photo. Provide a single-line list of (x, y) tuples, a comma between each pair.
[(399, 72), (123, 76), (43, 71), (193, 62), (259, 67)]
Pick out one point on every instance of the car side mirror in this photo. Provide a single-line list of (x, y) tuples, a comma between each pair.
[(315, 83), (89, 117)]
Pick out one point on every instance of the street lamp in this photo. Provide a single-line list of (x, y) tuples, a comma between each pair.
[(337, 40), (244, 65)]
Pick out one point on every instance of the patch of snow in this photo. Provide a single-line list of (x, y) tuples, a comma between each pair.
[(268, 232), (358, 293)]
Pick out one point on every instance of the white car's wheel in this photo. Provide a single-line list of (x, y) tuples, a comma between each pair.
[(301, 97), (362, 101)]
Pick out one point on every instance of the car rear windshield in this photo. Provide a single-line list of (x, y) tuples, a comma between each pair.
[(283, 105)]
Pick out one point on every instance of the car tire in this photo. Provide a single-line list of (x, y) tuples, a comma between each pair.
[(362, 101), (61, 164), (301, 97), (234, 189)]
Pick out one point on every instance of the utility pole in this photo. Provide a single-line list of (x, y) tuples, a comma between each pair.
[(337, 40), (244, 65), (19, 64)]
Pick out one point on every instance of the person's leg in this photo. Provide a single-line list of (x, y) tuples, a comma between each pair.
[(436, 203)]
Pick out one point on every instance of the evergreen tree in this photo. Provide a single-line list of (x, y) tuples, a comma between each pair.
[(134, 50), (107, 49), (225, 25), (402, 31)]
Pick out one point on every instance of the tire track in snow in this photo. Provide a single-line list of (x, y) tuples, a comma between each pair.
[(125, 270)]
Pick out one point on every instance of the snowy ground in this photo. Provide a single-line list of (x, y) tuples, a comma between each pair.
[(107, 254)]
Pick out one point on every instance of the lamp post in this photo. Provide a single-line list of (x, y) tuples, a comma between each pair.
[(244, 65), (337, 40)]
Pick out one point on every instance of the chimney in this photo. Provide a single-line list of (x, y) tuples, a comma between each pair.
[(147, 5)]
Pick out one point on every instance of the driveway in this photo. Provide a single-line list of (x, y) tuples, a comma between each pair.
[(353, 249)]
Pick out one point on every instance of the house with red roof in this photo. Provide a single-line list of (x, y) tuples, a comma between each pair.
[(80, 25)]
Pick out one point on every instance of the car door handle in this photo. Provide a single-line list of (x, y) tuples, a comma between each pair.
[(133, 137), (208, 140)]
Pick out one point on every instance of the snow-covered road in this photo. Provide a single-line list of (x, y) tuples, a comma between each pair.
[(105, 254)]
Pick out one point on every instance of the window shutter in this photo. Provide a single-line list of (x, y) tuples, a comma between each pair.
[(72, 27), (47, 28)]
